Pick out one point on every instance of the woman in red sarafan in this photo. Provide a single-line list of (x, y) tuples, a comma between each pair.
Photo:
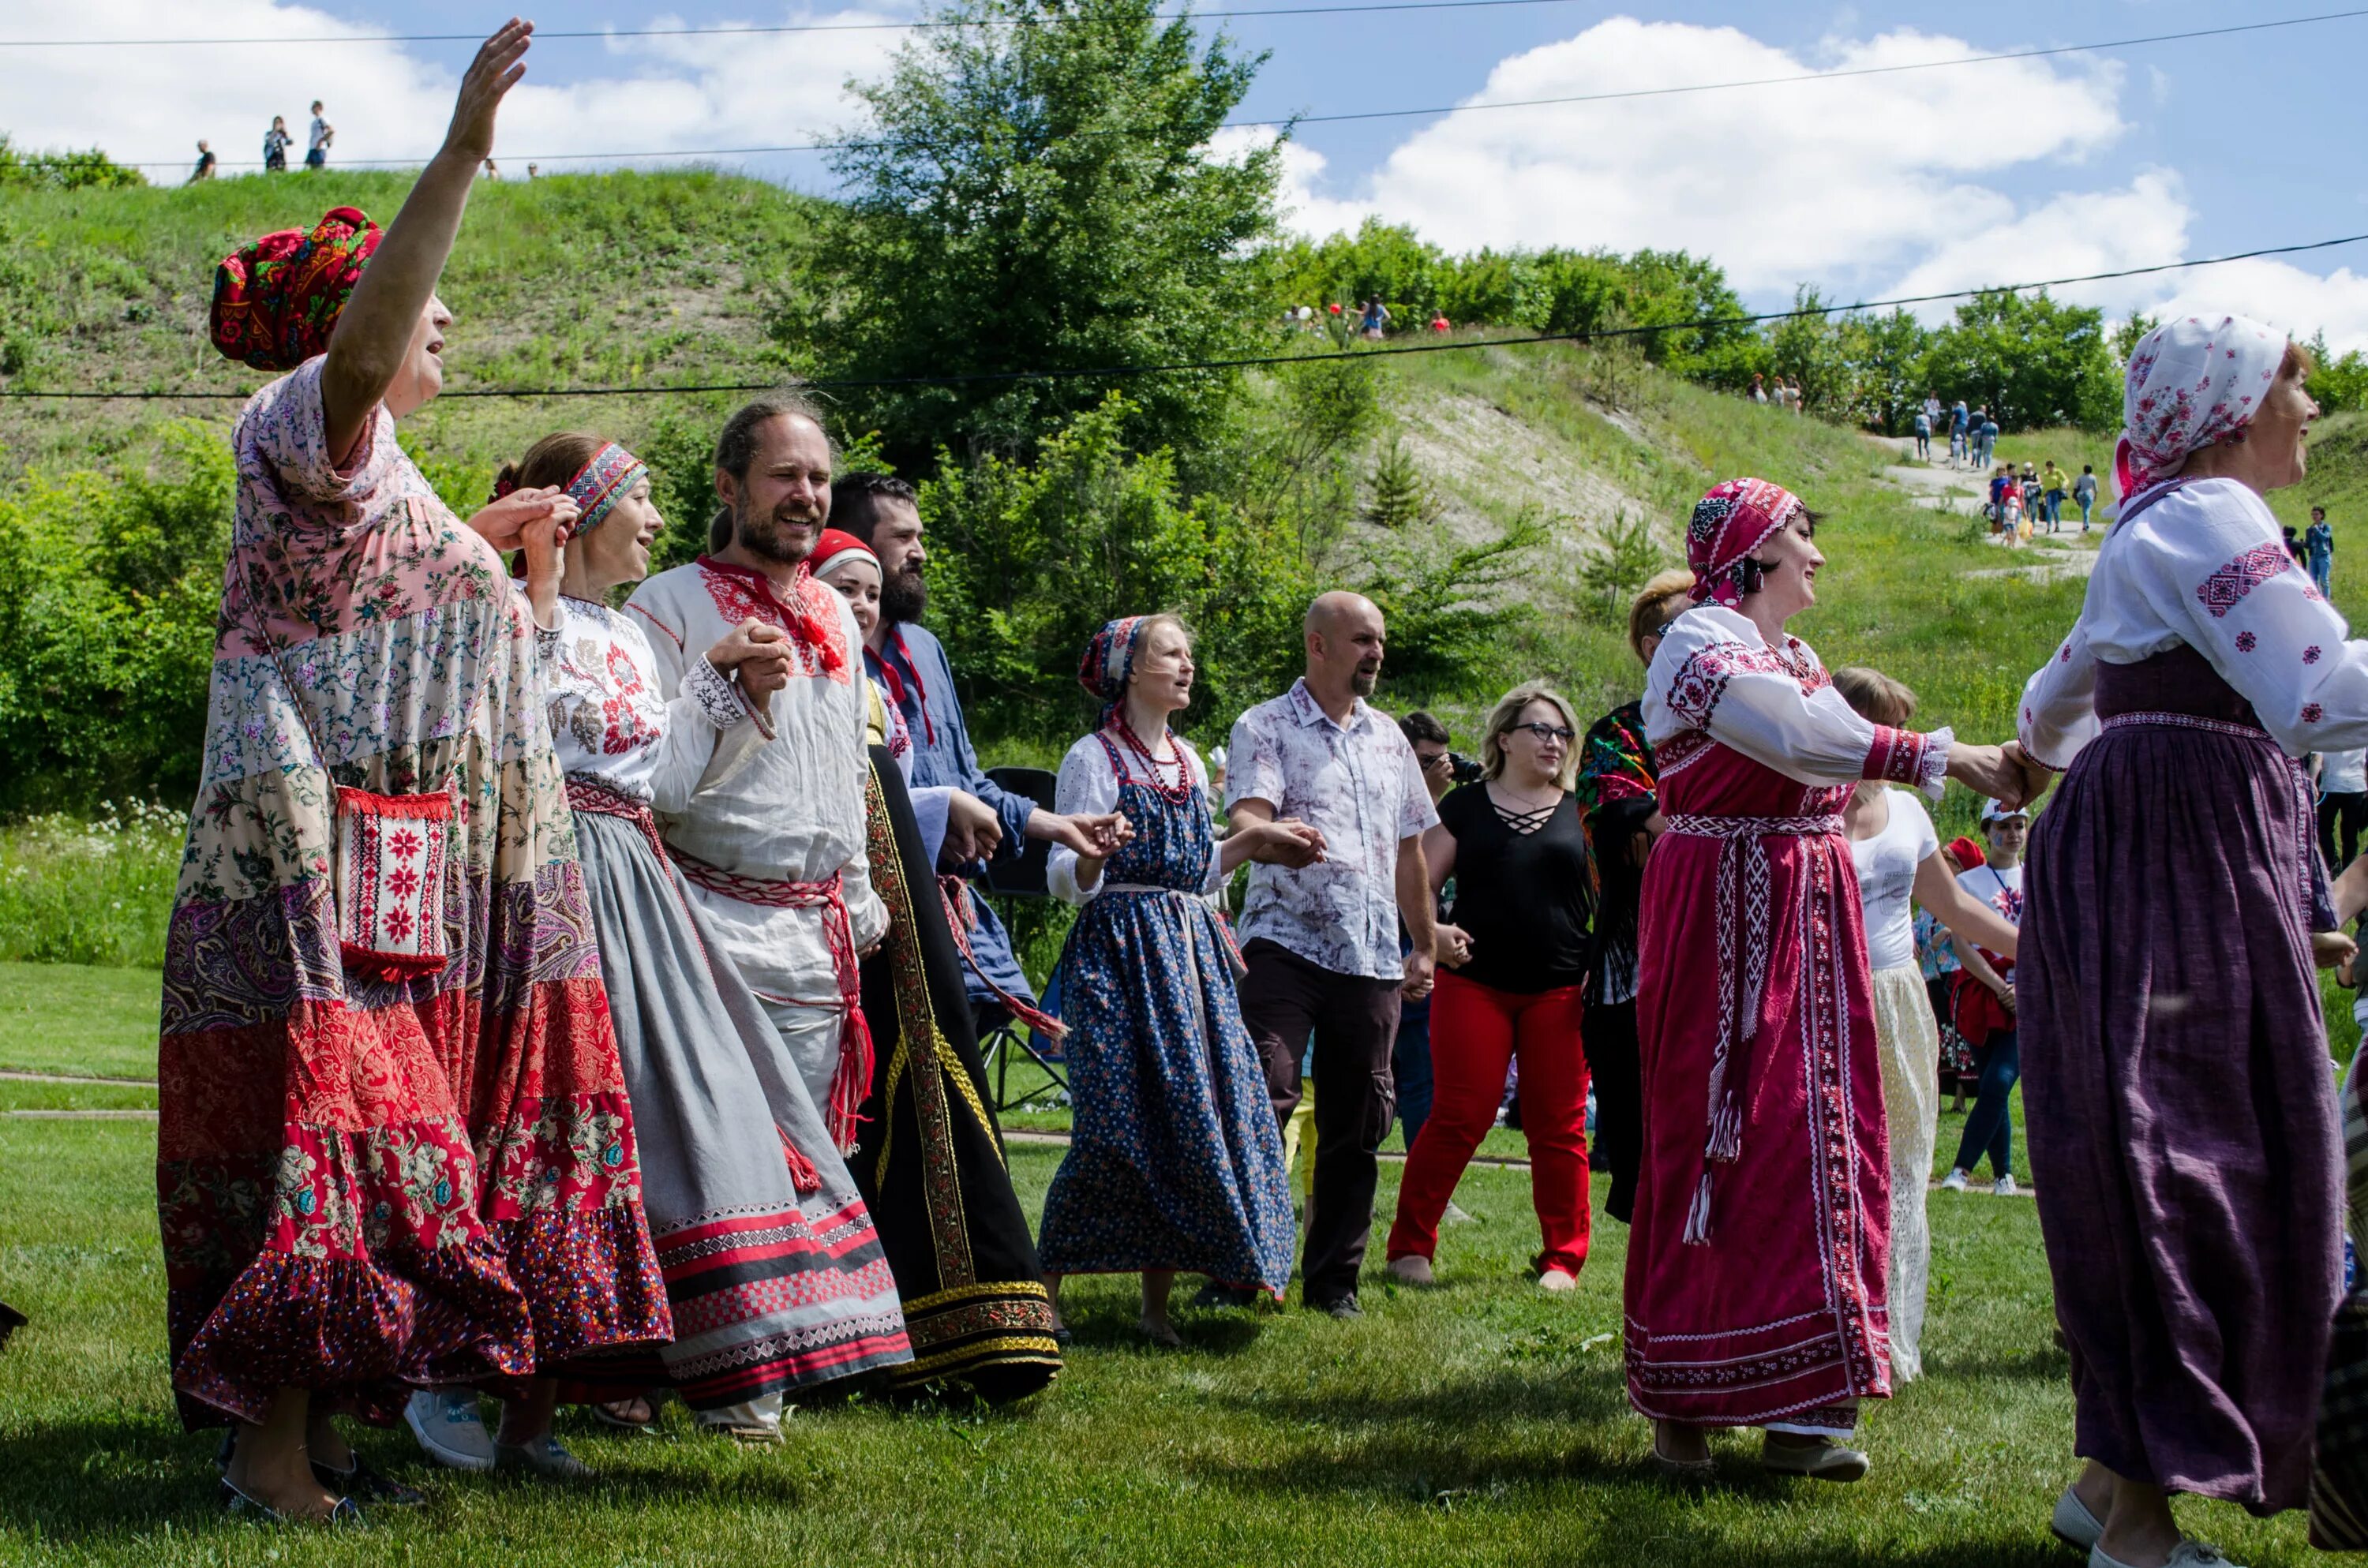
[(394, 1148), (1756, 1262)]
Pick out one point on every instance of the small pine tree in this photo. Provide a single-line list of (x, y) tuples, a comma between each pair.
[(1398, 498)]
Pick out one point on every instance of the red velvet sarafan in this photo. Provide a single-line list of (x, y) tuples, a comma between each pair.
[(1756, 1265)]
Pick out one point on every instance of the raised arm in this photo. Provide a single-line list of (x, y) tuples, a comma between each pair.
[(388, 306)]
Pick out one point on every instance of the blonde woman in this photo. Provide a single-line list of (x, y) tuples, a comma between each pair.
[(1899, 861), (1513, 969)]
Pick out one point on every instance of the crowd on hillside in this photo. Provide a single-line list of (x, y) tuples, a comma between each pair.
[(576, 1003)]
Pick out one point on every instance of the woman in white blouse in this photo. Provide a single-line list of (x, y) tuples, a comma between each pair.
[(772, 1265), (2182, 1120), (1899, 863), (1175, 1162)]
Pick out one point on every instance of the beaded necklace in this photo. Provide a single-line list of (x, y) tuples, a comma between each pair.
[(1179, 793)]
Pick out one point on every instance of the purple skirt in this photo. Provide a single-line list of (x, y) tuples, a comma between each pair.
[(2183, 1120)]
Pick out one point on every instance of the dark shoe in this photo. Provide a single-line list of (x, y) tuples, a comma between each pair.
[(1341, 1307), (1063, 1337), (364, 1483), (1213, 1297)]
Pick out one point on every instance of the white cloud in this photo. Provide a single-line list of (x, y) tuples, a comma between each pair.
[(387, 102), (1780, 183), (2070, 235)]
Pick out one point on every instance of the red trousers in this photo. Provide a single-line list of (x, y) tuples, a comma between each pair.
[(1475, 1032)]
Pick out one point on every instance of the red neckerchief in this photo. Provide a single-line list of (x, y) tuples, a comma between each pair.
[(800, 617), (896, 686)]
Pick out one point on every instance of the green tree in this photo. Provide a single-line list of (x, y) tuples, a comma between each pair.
[(1399, 497), (88, 170), (1039, 193), (2033, 361)]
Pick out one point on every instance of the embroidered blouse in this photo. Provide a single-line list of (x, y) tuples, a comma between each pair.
[(2205, 564), (1088, 785), (611, 721), (1715, 676)]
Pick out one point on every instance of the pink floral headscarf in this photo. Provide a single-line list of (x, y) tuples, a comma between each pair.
[(2189, 384), (1728, 524)]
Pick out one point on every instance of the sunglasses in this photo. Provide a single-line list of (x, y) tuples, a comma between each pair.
[(1549, 731)]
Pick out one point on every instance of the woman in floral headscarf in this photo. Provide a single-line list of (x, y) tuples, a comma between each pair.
[(2182, 1122), (393, 1149), (1175, 1162), (1756, 1258)]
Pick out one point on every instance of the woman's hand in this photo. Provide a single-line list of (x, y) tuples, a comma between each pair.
[(503, 523), (540, 538), (2333, 950), (1988, 770), (1093, 837), (973, 830), (757, 654), (1287, 842), (500, 62), (1451, 945)]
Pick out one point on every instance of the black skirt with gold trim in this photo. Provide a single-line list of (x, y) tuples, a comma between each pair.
[(929, 1158)]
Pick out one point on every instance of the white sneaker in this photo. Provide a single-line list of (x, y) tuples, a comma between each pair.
[(1557, 1280), (2186, 1554), (2004, 1186), (1412, 1270), (1954, 1181), (1451, 1215), (447, 1424)]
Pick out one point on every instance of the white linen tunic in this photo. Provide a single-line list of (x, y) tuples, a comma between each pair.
[(795, 811), (2204, 564), (611, 722)]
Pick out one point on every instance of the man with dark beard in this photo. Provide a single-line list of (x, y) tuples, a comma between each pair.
[(911, 665)]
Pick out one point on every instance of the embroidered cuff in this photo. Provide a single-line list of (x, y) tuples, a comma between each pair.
[(719, 703), (1903, 757)]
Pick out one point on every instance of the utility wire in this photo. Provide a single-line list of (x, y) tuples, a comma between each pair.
[(744, 29), (1250, 361), (1442, 110)]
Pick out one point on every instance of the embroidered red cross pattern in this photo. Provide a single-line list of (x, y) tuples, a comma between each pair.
[(2222, 591)]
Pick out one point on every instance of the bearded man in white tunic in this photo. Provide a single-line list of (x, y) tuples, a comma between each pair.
[(775, 853)]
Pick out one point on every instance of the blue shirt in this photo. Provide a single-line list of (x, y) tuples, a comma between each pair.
[(942, 756)]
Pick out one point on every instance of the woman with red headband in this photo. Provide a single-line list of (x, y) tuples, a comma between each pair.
[(774, 1267), (1756, 1259), (2182, 1119), (394, 1148)]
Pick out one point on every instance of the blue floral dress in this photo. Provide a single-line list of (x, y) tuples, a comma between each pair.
[(1175, 1161)]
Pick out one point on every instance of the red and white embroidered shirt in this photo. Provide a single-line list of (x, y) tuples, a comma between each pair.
[(612, 721)]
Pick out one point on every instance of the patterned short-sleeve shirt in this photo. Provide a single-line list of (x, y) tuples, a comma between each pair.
[(1357, 784)]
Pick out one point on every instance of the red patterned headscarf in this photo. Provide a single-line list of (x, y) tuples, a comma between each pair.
[(1109, 659), (1729, 523), (277, 300)]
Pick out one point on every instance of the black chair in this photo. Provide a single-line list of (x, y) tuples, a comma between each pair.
[(1010, 881)]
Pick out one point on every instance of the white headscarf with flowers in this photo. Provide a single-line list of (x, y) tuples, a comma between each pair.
[(2190, 383)]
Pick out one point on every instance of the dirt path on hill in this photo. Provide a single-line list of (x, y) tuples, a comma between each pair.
[(1939, 488)]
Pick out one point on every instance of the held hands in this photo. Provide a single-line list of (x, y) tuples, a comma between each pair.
[(2036, 775), (1453, 946), (2335, 951), (1989, 770), (1286, 842), (757, 654), (973, 830), (1094, 837), (1419, 972), (498, 65), (503, 524)]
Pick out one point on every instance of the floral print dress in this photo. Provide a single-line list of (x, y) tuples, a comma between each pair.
[(365, 1183)]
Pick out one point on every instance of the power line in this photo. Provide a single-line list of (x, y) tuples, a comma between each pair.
[(852, 383), (1441, 110)]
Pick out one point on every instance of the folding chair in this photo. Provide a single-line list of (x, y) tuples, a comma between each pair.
[(1010, 882)]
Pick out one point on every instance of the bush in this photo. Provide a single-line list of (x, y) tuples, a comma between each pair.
[(90, 893)]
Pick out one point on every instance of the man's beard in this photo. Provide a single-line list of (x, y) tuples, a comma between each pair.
[(764, 534), (1363, 681), (904, 597)]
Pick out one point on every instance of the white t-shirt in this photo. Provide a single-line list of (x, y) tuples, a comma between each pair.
[(1886, 878), (2001, 890), (2344, 772)]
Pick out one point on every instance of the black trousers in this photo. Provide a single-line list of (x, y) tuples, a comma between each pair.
[(2345, 815), (1354, 1023), (1610, 1029)]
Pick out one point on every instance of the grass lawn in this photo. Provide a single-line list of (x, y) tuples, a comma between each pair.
[(97, 1023), (1481, 1423)]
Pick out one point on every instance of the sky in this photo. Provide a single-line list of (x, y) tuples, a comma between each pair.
[(1864, 186)]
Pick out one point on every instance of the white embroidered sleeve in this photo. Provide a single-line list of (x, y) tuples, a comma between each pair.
[(2234, 595), (708, 736), (2059, 704), (1086, 784)]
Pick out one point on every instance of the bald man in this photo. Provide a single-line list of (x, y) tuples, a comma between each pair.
[(1322, 940)]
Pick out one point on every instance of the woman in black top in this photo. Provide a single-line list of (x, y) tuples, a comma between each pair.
[(1516, 963)]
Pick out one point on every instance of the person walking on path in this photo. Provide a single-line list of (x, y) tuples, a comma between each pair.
[(1321, 939), (275, 146), (2084, 490), (1958, 421), (1900, 864), (1923, 436), (2318, 553), (2191, 1172), (393, 1146), (207, 163), (1516, 969), (317, 146), (2052, 489), (1759, 1242), (1174, 1159), (2342, 804), (1616, 790), (773, 1268)]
